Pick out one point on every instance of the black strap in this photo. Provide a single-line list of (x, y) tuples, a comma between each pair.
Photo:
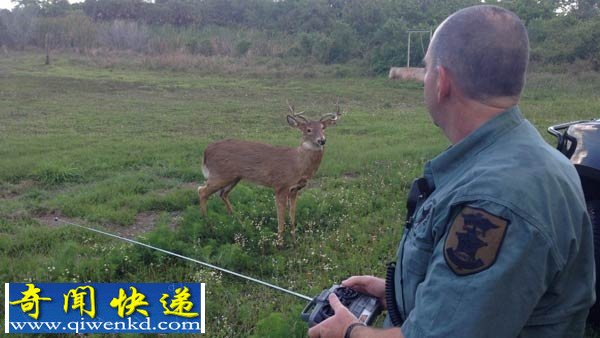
[(390, 296), (351, 327), (419, 190)]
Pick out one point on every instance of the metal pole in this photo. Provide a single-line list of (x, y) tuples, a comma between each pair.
[(408, 52), (409, 38)]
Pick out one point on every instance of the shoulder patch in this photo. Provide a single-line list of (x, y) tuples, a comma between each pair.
[(474, 240)]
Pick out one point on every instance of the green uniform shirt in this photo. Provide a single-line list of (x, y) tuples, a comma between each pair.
[(503, 247)]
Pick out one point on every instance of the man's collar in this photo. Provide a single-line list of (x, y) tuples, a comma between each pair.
[(445, 163)]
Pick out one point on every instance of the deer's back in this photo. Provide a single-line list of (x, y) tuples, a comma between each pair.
[(258, 162)]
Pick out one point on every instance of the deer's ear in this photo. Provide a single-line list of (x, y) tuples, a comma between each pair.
[(292, 121), (327, 123), (329, 119)]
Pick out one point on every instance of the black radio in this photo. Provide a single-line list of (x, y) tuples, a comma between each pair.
[(364, 307)]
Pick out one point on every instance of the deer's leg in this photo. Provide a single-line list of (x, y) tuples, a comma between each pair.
[(224, 193), (206, 190), (293, 196), (201, 199), (281, 198)]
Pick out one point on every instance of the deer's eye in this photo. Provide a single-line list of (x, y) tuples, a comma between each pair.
[(309, 130)]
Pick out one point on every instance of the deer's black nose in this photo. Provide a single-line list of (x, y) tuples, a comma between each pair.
[(321, 142)]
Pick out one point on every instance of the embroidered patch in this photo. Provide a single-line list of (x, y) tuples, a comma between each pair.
[(473, 241)]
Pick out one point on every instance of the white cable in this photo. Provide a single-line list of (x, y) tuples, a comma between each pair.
[(56, 219)]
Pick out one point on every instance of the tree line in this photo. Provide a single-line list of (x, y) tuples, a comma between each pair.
[(373, 33)]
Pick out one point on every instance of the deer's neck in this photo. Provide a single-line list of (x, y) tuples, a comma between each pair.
[(310, 158)]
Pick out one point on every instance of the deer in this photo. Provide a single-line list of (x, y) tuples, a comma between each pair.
[(285, 169)]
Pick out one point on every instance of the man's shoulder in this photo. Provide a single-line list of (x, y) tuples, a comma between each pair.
[(526, 177), (524, 158)]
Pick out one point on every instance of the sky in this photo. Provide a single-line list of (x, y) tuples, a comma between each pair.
[(6, 4)]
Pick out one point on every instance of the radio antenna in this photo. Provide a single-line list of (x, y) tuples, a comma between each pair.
[(56, 219)]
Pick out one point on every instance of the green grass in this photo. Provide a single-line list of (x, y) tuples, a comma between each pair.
[(120, 147)]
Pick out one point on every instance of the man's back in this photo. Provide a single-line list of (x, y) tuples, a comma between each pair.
[(539, 279)]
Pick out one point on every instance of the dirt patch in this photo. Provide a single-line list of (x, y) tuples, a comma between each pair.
[(12, 191), (191, 185), (144, 222), (51, 220), (351, 175), (312, 184), (188, 185)]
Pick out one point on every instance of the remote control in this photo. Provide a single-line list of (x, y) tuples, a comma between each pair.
[(364, 307)]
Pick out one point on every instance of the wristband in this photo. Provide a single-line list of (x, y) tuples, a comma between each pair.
[(351, 327)]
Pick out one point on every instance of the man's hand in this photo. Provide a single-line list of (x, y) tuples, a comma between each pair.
[(369, 285), (336, 325)]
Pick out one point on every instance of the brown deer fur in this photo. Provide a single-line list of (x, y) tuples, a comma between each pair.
[(284, 169)]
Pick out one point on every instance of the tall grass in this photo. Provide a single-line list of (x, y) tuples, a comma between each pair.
[(118, 146)]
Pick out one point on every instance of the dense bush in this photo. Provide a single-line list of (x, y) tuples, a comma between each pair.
[(325, 31), (566, 39)]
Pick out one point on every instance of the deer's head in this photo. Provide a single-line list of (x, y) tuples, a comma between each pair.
[(313, 132)]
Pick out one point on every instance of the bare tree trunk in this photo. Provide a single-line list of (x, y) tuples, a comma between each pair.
[(47, 48)]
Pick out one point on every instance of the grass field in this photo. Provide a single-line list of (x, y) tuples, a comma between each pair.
[(119, 146)]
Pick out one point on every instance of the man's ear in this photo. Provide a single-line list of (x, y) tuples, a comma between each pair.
[(444, 85)]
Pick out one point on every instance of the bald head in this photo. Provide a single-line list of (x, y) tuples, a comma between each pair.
[(485, 49)]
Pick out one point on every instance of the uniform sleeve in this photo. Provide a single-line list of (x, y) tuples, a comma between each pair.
[(484, 278)]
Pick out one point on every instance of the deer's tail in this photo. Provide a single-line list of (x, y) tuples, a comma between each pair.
[(205, 170)]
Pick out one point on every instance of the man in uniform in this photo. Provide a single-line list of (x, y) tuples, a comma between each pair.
[(499, 244)]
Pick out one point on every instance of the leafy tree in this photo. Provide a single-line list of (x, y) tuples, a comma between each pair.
[(585, 9), (27, 3), (365, 17), (5, 38), (565, 39), (180, 13), (391, 45), (115, 9), (260, 14), (343, 44), (223, 12), (529, 10), (22, 24), (55, 7), (329, 31)]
